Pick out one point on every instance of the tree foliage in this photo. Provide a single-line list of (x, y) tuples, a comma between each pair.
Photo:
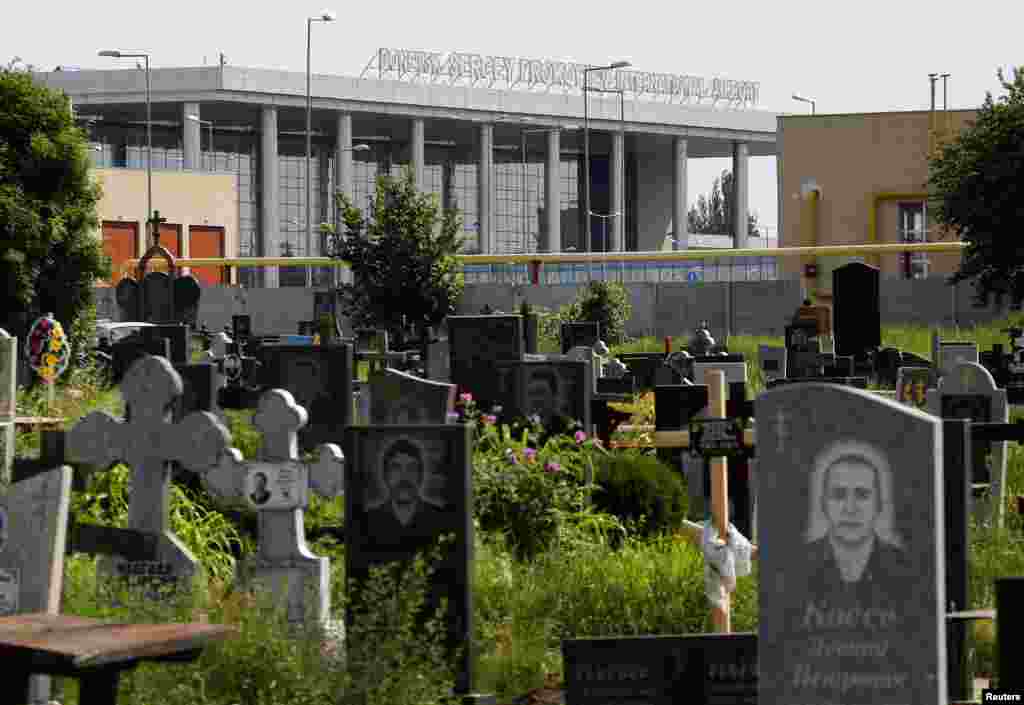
[(712, 214), (49, 254), (405, 276), (976, 184)]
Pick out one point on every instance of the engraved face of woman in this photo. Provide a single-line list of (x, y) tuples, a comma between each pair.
[(851, 500)]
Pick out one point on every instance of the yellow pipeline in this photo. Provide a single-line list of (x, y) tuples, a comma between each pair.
[(653, 256), (876, 199)]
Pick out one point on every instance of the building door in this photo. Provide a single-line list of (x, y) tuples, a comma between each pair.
[(206, 241), (120, 244)]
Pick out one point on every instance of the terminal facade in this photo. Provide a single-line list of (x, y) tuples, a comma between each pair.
[(229, 152)]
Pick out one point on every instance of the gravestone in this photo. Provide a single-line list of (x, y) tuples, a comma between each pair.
[(803, 351), (476, 343), (857, 323), (406, 487), (438, 362), (124, 353), (550, 389), (852, 593), (277, 487), (661, 670), (319, 377), (33, 534), (371, 341), (644, 367), (179, 337), (773, 361), (148, 443), (241, 328), (912, 384), (579, 333), (951, 353), (8, 403), (401, 398), (969, 392)]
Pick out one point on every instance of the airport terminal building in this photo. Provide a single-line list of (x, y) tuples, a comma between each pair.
[(506, 140)]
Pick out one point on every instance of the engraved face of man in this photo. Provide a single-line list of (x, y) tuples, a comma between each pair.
[(261, 482), (542, 394), (403, 475), (851, 501)]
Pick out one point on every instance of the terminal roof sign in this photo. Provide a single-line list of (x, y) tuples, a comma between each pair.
[(543, 74)]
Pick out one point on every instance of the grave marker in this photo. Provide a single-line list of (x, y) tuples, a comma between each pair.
[(277, 488), (319, 377), (773, 361), (406, 487), (33, 532), (401, 398), (969, 392), (579, 333), (951, 353), (147, 442), (475, 344), (857, 322), (852, 595), (551, 389)]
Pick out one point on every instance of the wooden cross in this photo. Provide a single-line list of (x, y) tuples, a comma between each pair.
[(147, 442), (283, 562)]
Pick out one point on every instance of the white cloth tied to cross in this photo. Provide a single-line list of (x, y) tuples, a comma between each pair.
[(724, 561)]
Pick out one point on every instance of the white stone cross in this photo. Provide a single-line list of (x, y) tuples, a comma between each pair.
[(147, 442), (277, 487)]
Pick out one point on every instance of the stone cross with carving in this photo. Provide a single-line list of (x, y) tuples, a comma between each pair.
[(147, 442), (277, 487)]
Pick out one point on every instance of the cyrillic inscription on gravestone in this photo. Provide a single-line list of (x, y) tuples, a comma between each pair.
[(852, 593)]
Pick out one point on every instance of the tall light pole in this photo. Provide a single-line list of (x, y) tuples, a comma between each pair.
[(586, 137), (325, 16), (149, 126), (805, 100), (196, 118)]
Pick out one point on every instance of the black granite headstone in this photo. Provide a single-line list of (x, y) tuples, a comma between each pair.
[(549, 389), (577, 333), (401, 398), (662, 670), (319, 377), (405, 487), (851, 488), (855, 307), (177, 333), (475, 343)]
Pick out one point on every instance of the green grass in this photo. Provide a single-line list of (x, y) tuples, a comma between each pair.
[(579, 587)]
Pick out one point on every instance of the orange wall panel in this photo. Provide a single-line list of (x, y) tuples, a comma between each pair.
[(206, 241), (120, 241)]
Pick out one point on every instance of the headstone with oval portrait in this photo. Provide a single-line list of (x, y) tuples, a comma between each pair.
[(852, 593), (406, 487)]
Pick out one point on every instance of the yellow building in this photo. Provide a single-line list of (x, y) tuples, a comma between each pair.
[(201, 211), (860, 178)]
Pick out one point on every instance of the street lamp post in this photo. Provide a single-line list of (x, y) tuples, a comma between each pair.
[(325, 16), (196, 118), (805, 100), (586, 137), (149, 126)]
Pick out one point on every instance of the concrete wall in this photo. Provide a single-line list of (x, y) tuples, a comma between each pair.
[(750, 308), (852, 157)]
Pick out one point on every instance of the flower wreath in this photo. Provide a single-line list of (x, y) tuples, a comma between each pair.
[(47, 348)]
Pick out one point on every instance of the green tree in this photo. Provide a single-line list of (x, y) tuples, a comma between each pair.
[(405, 275), (712, 214), (976, 183), (50, 256)]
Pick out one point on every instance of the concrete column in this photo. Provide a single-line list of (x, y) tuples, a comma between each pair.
[(485, 187), (447, 182), (679, 194), (269, 217), (552, 241), (343, 169), (416, 153), (740, 193), (618, 200), (191, 137)]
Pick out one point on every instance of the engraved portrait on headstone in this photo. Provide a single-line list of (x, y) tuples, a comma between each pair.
[(542, 393), (259, 494), (851, 542), (405, 488)]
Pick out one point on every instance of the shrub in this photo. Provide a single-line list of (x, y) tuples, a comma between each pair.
[(640, 489), (605, 302)]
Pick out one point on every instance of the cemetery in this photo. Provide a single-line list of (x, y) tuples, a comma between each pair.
[(514, 512)]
